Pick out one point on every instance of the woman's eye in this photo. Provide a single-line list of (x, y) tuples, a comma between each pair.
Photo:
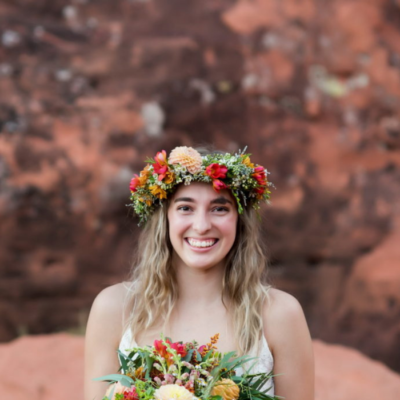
[(184, 208), (221, 209)]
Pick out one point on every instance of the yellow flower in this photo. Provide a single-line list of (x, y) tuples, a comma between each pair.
[(144, 175), (158, 192), (147, 201), (172, 392), (227, 389), (246, 161), (169, 177)]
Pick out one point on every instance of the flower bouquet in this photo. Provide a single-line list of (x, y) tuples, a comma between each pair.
[(185, 371)]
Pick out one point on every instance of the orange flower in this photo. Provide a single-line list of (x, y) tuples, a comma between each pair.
[(203, 349), (146, 200), (169, 177), (158, 192), (138, 181), (246, 161), (227, 389), (144, 175)]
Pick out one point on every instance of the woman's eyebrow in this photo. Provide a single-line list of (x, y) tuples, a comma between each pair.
[(218, 200), (221, 200), (188, 199)]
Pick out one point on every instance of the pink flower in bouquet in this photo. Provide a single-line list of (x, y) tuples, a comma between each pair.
[(216, 171), (129, 393), (161, 165), (135, 182), (259, 175), (219, 185)]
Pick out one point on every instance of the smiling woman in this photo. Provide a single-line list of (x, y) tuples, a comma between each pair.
[(202, 226), (201, 269)]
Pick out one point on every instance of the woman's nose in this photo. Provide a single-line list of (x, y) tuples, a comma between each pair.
[(202, 222)]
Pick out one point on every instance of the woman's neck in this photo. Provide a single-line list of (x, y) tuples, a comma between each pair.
[(199, 288)]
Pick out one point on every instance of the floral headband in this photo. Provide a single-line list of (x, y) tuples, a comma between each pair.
[(246, 181)]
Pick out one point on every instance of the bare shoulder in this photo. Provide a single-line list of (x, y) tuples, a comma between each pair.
[(103, 335), (109, 305), (281, 305), (289, 339), (282, 316)]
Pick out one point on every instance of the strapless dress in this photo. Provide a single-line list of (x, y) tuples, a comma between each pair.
[(265, 361)]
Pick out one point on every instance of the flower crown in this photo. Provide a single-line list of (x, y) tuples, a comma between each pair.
[(246, 181)]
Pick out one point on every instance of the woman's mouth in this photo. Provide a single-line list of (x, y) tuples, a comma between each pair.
[(201, 244)]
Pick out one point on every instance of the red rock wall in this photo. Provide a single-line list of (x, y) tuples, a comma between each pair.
[(90, 88)]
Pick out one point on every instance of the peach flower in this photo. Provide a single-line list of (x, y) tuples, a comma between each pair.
[(187, 157), (172, 392)]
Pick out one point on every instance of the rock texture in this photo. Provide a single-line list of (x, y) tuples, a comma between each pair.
[(89, 89), (344, 373), (42, 368), (51, 368)]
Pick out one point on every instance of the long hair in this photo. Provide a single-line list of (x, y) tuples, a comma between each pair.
[(154, 290)]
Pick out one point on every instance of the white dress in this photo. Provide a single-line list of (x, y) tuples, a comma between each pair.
[(265, 361)]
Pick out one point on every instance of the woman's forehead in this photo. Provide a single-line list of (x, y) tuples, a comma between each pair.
[(197, 189)]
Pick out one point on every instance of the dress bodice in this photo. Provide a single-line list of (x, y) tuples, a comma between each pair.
[(265, 362)]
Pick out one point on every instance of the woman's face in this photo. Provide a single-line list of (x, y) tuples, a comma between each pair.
[(202, 225)]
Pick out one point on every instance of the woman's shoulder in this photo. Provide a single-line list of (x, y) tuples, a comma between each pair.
[(282, 316), (280, 302), (110, 302)]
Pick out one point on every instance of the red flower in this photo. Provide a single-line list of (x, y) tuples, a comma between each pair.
[(260, 192), (135, 182), (131, 394), (161, 165), (180, 348), (218, 185), (216, 171), (161, 348), (259, 175)]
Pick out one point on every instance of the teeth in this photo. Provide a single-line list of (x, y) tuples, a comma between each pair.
[(201, 243)]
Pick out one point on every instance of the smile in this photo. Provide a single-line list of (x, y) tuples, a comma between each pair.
[(201, 243)]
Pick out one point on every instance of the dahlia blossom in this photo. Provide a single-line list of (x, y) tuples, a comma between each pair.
[(172, 392)]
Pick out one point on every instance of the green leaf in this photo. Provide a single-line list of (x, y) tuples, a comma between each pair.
[(198, 356), (217, 397), (188, 356), (123, 359), (149, 366), (115, 378)]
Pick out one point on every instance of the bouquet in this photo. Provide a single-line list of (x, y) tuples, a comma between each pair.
[(185, 371)]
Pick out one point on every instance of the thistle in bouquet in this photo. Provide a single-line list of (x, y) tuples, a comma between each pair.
[(184, 371)]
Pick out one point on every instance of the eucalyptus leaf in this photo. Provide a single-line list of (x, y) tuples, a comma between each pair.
[(188, 356), (114, 378)]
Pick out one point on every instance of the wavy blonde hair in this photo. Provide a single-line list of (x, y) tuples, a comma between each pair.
[(154, 290)]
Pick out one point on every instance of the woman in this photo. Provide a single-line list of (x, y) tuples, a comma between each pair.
[(199, 271)]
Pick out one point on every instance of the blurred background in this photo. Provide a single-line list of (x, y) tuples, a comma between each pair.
[(90, 88)]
